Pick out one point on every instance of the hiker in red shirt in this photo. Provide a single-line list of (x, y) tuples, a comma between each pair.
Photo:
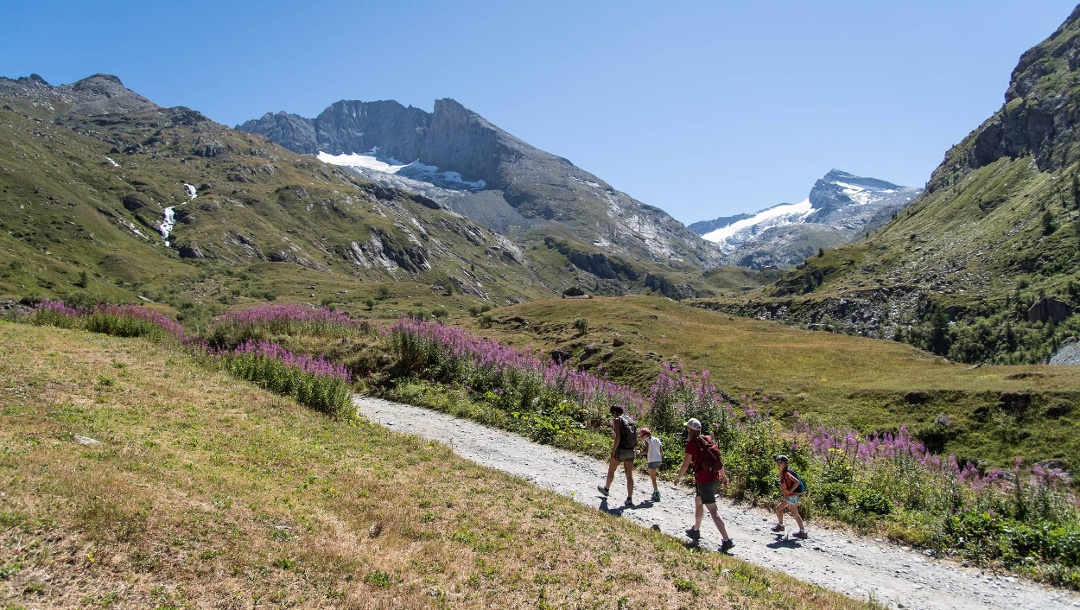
[(701, 450)]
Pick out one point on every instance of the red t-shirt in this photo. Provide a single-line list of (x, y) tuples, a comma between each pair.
[(788, 481), (699, 475)]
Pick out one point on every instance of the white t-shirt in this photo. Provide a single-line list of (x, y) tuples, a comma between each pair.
[(653, 444)]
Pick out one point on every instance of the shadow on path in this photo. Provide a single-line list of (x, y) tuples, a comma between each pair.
[(620, 508), (783, 542)]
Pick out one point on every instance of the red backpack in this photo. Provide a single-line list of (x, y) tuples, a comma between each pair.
[(708, 455)]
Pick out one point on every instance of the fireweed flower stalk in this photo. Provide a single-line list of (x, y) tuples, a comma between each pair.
[(899, 466), (54, 313), (313, 381), (260, 323), (676, 397), (520, 379), (132, 321)]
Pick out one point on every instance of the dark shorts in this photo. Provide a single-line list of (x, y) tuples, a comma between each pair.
[(707, 492), (624, 454)]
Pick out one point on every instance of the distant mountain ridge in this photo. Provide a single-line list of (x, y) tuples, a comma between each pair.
[(840, 208), (523, 188)]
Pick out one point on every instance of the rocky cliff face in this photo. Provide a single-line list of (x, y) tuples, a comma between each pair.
[(1040, 115)]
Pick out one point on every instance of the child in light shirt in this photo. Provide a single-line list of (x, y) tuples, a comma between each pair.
[(654, 458)]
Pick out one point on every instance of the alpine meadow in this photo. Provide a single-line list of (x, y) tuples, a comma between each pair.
[(190, 314)]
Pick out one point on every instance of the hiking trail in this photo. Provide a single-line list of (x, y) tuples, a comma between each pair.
[(835, 559)]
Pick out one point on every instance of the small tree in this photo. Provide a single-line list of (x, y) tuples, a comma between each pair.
[(1048, 225), (939, 340)]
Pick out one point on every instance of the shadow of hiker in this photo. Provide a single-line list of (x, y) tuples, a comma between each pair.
[(783, 542), (618, 510)]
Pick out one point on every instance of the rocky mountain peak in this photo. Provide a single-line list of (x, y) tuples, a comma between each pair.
[(488, 175), (840, 208), (93, 95)]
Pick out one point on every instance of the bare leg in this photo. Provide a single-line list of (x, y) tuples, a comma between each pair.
[(795, 513), (780, 511), (628, 466), (717, 521), (611, 466), (652, 475), (698, 513)]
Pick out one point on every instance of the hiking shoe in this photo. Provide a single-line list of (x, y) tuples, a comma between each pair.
[(656, 496), (602, 490), (726, 545), (801, 534), (693, 534), (628, 502), (778, 528)]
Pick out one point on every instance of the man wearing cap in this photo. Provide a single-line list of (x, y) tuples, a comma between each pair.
[(707, 481)]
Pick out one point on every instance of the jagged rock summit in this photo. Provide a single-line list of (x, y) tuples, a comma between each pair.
[(94, 95), (840, 208)]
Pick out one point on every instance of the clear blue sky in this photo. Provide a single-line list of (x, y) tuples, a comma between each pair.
[(704, 109)]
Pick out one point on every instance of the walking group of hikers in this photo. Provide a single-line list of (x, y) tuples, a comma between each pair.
[(703, 454)]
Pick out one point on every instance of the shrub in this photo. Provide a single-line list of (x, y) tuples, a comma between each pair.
[(315, 382)]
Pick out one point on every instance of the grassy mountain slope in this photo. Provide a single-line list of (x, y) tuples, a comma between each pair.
[(82, 197), (992, 413), (991, 245), (207, 492)]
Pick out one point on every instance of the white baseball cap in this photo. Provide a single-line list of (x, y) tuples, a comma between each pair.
[(693, 424)]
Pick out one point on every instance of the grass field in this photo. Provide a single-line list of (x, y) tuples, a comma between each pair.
[(993, 413), (207, 492)]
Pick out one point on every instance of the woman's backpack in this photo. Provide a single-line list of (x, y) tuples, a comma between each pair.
[(628, 438)]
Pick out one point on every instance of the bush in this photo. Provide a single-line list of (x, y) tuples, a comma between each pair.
[(870, 502)]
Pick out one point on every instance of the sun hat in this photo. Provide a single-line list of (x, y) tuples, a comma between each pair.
[(693, 424)]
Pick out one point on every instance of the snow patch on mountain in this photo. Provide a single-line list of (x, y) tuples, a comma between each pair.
[(783, 214), (415, 170)]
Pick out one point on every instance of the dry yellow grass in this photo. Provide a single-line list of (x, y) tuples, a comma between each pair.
[(208, 493)]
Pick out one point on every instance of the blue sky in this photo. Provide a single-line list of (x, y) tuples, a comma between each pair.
[(703, 109)]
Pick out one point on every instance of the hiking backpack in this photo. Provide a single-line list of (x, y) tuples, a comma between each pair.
[(629, 438), (802, 486), (708, 455)]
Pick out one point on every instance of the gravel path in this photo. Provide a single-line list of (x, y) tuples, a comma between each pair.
[(838, 560)]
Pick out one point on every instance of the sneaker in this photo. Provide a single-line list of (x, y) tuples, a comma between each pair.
[(656, 496), (628, 502), (801, 534), (778, 528), (602, 490), (693, 534), (726, 545)]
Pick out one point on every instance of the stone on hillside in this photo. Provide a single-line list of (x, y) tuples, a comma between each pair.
[(1048, 308)]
